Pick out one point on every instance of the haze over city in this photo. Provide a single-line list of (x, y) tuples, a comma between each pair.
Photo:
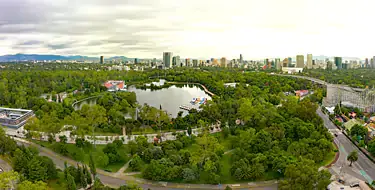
[(201, 29)]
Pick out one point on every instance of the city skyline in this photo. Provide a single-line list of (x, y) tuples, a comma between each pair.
[(206, 29)]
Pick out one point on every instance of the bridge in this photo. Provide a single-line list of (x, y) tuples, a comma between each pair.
[(364, 99)]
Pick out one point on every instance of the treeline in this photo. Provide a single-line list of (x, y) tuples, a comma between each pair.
[(359, 78)]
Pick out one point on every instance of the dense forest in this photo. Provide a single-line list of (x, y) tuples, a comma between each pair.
[(359, 78), (278, 136)]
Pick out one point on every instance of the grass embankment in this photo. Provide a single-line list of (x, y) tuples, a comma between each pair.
[(329, 158), (83, 154)]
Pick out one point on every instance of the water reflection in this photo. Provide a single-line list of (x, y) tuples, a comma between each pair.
[(169, 98)]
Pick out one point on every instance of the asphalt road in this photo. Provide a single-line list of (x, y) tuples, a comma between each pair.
[(364, 168)]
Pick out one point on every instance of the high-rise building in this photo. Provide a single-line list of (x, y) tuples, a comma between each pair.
[(167, 59), (366, 63), (338, 62), (285, 62), (241, 59), (278, 64), (195, 62), (300, 61), (373, 65), (101, 59), (290, 62), (136, 61), (176, 61), (309, 61), (187, 61), (223, 62)]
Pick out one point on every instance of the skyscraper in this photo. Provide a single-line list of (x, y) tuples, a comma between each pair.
[(366, 63), (178, 62), (241, 59), (309, 61), (167, 59), (373, 66), (289, 62), (195, 62), (101, 59), (136, 61), (300, 61), (223, 62), (278, 64), (285, 62), (338, 62)]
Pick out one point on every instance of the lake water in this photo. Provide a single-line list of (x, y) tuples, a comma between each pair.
[(169, 98)]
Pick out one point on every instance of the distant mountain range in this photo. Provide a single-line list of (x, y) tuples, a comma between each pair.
[(38, 57)]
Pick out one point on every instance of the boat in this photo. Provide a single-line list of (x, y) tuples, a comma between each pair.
[(193, 101), (202, 100)]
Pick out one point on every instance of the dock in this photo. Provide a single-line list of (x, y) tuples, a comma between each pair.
[(185, 107)]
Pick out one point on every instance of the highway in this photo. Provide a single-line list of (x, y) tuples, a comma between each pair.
[(363, 169)]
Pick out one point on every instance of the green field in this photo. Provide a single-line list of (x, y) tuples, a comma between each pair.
[(83, 155)]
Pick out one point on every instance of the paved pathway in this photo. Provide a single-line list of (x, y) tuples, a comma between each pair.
[(122, 169), (5, 166)]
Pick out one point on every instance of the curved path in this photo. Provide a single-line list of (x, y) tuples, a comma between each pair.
[(116, 180)]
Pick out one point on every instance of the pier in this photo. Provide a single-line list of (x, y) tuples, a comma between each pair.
[(185, 107)]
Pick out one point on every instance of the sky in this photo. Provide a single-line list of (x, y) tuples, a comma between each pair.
[(189, 28)]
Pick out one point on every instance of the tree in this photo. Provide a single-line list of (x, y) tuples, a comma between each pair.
[(83, 178), (88, 175), (63, 139), (28, 185), (304, 175), (352, 157), (188, 175), (228, 188), (371, 147), (51, 167), (36, 170), (92, 165), (136, 163), (71, 184), (8, 179), (358, 130)]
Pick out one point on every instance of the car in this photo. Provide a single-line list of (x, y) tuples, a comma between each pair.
[(335, 135), (356, 184), (1, 170), (107, 170)]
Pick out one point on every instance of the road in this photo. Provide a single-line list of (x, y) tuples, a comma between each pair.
[(116, 180), (5, 166), (363, 169)]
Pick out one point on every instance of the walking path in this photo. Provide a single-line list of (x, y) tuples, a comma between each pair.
[(122, 170)]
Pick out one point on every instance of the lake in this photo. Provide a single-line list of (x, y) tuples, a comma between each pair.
[(169, 98)]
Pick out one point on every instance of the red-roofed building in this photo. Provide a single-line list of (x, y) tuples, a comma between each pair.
[(301, 93), (115, 85)]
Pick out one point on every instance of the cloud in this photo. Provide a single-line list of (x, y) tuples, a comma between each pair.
[(190, 28)]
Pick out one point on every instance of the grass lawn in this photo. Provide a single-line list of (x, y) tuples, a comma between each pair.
[(225, 164), (84, 154)]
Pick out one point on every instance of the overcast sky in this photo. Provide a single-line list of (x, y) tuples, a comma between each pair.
[(189, 28)]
